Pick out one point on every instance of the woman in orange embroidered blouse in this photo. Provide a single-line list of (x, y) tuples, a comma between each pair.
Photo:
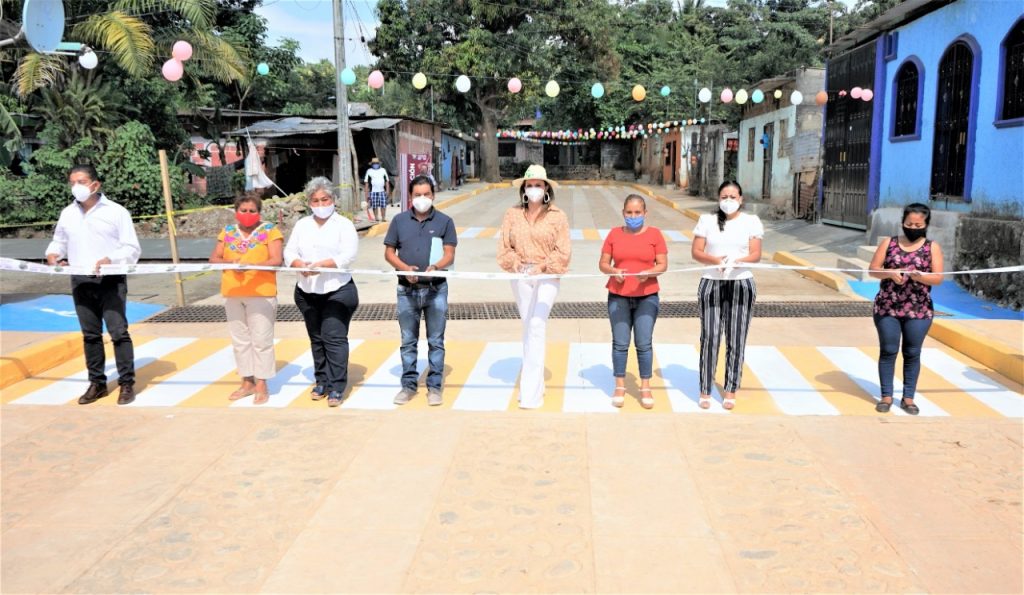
[(250, 297), (534, 240)]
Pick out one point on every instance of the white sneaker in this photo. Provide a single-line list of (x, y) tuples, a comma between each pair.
[(404, 396), (434, 397)]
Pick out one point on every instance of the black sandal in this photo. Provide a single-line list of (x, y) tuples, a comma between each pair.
[(910, 408), (883, 406)]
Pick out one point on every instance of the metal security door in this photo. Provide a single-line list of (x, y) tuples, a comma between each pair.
[(952, 113), (848, 140), (768, 140)]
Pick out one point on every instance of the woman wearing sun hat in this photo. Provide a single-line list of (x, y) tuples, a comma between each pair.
[(534, 241)]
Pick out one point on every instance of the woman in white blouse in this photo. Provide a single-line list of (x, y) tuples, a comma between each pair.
[(727, 239), (327, 301)]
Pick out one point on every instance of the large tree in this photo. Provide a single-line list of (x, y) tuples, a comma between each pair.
[(491, 42)]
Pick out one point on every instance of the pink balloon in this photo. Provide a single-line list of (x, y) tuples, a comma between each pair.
[(726, 95), (855, 92), (172, 70), (515, 85), (181, 51), (867, 94), (376, 79)]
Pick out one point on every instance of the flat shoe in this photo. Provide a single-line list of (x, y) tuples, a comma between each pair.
[(619, 398), (647, 402), (910, 408), (704, 402), (883, 406), (240, 394), (728, 404)]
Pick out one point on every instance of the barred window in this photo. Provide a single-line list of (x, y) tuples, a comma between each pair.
[(907, 79), (1013, 73)]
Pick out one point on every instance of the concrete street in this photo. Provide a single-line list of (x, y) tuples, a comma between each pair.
[(802, 488)]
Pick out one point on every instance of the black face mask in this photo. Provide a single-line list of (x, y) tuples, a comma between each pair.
[(913, 233)]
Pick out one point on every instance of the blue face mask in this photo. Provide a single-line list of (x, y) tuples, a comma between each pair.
[(375, 166), (634, 222)]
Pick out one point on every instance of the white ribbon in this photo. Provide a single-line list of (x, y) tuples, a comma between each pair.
[(12, 264)]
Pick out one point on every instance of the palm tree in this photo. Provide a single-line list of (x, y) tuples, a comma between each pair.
[(83, 107), (135, 46)]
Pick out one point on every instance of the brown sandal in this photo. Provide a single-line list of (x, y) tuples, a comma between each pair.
[(261, 398), (241, 394)]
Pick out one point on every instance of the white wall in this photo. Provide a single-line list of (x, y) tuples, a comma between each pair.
[(751, 172)]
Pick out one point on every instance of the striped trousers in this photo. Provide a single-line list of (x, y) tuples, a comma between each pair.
[(724, 306)]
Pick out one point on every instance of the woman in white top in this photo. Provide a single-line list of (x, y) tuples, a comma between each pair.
[(725, 296), (327, 301)]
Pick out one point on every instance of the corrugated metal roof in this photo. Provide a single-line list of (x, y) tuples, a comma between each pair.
[(297, 126)]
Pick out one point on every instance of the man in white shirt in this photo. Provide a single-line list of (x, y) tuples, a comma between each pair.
[(94, 231), (378, 186)]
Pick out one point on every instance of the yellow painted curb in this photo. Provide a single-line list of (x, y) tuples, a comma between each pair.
[(826, 278), (692, 214), (1002, 358), (32, 360)]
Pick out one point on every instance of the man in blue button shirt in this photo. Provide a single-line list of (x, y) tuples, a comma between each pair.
[(421, 239)]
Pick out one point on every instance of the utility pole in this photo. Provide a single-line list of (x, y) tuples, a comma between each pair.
[(349, 200)]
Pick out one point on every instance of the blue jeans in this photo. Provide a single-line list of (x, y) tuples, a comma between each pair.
[(913, 331), (432, 304), (635, 315)]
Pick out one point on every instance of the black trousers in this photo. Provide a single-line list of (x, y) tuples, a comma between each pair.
[(101, 300), (327, 317)]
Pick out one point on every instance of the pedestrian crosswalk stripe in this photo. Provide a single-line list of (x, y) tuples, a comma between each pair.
[(491, 383), (66, 382), (787, 387), (482, 376), (923, 398), (841, 391), (992, 394)]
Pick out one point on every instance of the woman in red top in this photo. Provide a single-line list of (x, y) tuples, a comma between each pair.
[(633, 255)]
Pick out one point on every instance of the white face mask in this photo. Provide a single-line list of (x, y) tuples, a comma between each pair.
[(81, 192), (422, 204), (323, 212), (535, 194), (729, 205)]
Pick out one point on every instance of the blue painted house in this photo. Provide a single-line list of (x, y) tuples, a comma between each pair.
[(945, 125)]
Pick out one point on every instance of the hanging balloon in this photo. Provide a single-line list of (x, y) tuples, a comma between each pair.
[(741, 96), (665, 91), (375, 80), (419, 80), (757, 96), (348, 76), (172, 70), (88, 60), (702, 120), (867, 94), (842, 92), (639, 93), (726, 95), (181, 50), (821, 98), (263, 69), (462, 84), (597, 91), (855, 92), (515, 85), (796, 98), (704, 95), (551, 89), (778, 94)]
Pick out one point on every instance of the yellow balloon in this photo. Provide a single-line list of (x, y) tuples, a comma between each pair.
[(639, 93), (551, 89), (419, 80)]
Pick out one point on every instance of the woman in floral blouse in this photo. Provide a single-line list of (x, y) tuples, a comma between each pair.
[(903, 306), (250, 297)]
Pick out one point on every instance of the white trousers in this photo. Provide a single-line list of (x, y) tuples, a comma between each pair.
[(251, 324), (534, 298)]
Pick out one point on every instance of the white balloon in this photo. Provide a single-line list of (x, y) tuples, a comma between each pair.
[(88, 60), (462, 83), (796, 98), (704, 95)]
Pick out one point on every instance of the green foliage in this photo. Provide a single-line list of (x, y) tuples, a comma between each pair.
[(130, 170), (84, 107), (42, 194)]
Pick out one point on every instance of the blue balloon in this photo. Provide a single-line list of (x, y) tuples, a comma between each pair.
[(597, 90), (263, 69), (348, 76), (665, 91), (757, 96)]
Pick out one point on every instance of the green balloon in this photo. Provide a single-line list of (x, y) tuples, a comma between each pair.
[(348, 76)]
